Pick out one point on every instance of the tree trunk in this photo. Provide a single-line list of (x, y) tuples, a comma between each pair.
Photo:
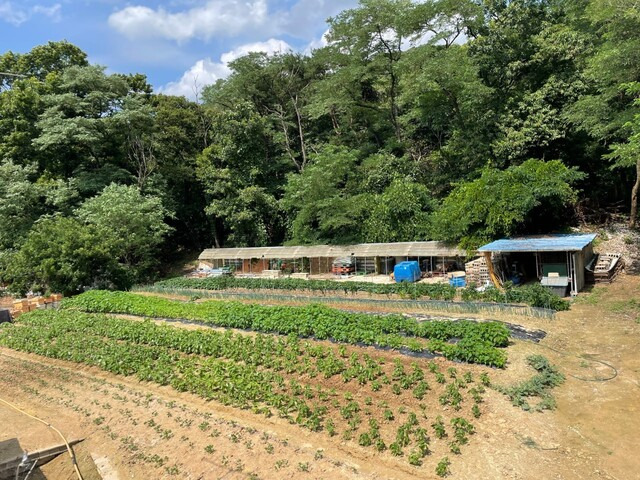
[(634, 197), (393, 81), (287, 142), (303, 149)]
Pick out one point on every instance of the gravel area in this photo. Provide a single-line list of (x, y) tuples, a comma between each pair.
[(619, 238)]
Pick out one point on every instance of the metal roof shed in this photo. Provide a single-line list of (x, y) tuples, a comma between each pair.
[(578, 248), (325, 253), (565, 242)]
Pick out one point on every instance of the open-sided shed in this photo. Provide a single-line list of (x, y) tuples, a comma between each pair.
[(368, 257), (548, 256)]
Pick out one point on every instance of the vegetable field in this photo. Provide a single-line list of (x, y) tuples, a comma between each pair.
[(215, 389), (474, 342), (417, 410)]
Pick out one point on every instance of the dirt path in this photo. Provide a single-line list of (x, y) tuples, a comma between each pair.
[(596, 345), (600, 418)]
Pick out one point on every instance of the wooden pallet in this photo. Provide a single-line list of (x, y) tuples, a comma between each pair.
[(604, 268)]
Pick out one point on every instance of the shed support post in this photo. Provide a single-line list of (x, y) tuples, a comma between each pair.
[(569, 274), (574, 276), (492, 273)]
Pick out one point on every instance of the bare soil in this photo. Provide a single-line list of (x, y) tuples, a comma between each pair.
[(145, 431)]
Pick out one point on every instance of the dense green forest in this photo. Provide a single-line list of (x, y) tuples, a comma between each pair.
[(455, 120)]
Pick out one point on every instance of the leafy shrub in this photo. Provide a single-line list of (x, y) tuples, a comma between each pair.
[(442, 469)]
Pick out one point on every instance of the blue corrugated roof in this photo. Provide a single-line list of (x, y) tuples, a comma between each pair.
[(568, 242)]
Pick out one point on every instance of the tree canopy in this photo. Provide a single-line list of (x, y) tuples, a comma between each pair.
[(455, 120)]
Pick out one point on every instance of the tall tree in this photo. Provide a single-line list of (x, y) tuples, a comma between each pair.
[(627, 154), (241, 173), (504, 202), (40, 62), (77, 127), (132, 224), (607, 109)]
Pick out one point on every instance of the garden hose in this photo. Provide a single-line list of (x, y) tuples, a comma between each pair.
[(585, 357), (71, 454)]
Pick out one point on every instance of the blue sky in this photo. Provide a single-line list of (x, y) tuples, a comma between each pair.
[(181, 45)]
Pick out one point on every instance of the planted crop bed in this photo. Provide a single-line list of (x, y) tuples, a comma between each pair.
[(474, 342), (439, 291), (534, 295), (297, 380)]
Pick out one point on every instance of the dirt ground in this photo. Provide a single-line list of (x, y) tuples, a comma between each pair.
[(139, 431)]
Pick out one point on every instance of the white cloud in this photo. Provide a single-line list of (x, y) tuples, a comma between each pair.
[(215, 17), (54, 11), (18, 14), (317, 43), (205, 72), (219, 18), (11, 14)]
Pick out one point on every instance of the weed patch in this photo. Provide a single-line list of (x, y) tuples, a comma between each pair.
[(538, 386)]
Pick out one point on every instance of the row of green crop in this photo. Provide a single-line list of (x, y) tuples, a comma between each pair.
[(230, 383), (534, 295), (202, 362), (477, 341), (436, 291), (282, 354)]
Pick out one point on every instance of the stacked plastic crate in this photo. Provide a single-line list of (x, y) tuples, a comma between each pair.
[(343, 266)]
